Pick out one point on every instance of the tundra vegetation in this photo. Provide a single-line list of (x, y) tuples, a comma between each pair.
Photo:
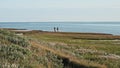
[(17, 52), (36, 49)]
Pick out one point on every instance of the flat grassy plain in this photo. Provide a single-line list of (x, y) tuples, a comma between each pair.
[(103, 49), (38, 49)]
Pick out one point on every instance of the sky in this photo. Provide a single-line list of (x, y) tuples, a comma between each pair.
[(59, 10)]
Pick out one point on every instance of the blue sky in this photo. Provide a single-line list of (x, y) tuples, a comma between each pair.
[(59, 10)]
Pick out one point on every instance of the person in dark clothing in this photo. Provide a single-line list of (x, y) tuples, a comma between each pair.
[(54, 29), (57, 29)]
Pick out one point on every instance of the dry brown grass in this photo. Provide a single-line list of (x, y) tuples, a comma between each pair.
[(89, 36), (71, 59)]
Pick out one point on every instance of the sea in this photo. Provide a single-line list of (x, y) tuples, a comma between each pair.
[(86, 27)]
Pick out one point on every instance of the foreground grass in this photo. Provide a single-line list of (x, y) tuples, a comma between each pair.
[(17, 52), (69, 61), (58, 50)]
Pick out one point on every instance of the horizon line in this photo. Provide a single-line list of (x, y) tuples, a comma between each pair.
[(59, 21)]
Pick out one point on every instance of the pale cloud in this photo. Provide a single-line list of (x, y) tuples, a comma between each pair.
[(60, 4), (59, 10)]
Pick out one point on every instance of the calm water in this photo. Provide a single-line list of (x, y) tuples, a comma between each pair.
[(96, 27)]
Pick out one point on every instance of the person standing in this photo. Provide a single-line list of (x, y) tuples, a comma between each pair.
[(54, 29), (57, 29)]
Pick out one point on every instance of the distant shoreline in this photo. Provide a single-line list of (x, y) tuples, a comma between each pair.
[(78, 35), (75, 27), (26, 30)]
